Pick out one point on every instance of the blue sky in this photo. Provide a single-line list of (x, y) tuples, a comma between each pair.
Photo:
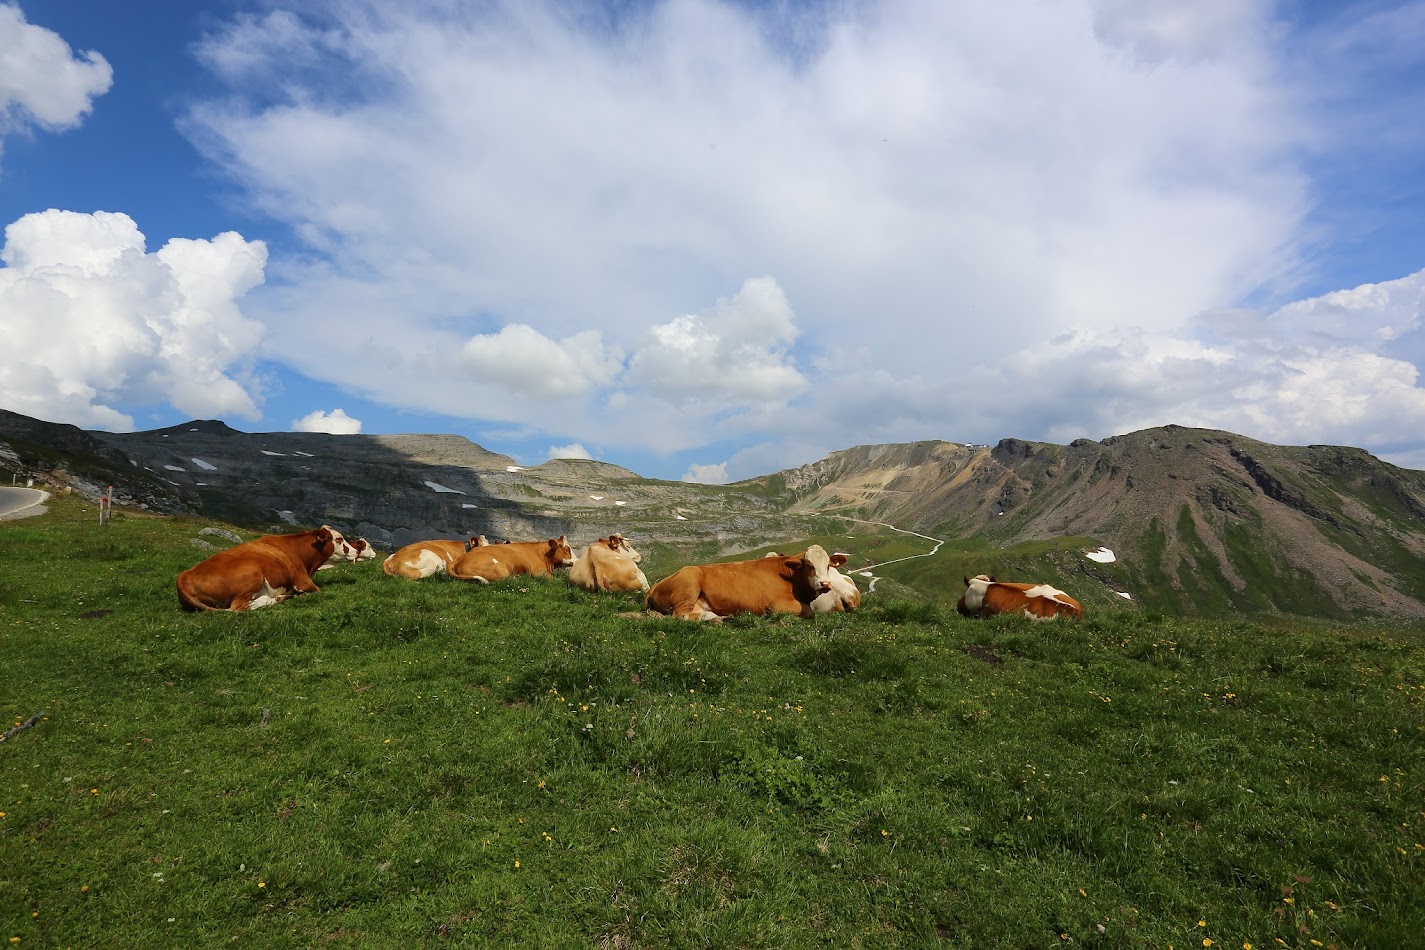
[(706, 239)]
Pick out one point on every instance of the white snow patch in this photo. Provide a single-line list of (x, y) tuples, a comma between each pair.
[(1102, 555), (205, 466), (513, 468), (867, 574), (307, 454), (436, 486), (468, 505), (680, 517), (597, 497), (620, 503), (201, 484), (1125, 596), (175, 468), (278, 454), (287, 516)]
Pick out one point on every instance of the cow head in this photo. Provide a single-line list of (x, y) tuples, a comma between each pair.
[(324, 540), (476, 541), (343, 551), (810, 572), (975, 587), (559, 553), (618, 544)]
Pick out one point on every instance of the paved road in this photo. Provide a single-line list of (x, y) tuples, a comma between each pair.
[(15, 501), (870, 567)]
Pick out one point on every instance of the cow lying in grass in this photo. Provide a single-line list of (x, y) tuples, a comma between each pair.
[(608, 564), (764, 585), (347, 551), (496, 562), (424, 558), (984, 597), (843, 597), (256, 573)]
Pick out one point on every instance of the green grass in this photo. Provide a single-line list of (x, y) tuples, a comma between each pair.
[(401, 764)]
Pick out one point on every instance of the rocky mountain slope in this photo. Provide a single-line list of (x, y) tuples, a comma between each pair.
[(1198, 520), (1193, 516), (390, 489)]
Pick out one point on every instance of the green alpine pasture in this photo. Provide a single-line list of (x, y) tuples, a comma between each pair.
[(398, 764)]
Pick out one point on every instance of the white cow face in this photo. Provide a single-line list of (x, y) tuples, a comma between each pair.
[(813, 568), (620, 546), (975, 588), (343, 551)]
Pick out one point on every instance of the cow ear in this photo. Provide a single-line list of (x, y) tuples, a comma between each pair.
[(323, 535), (838, 559), (794, 563), (966, 579)]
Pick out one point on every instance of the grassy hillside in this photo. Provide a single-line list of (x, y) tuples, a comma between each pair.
[(399, 764)]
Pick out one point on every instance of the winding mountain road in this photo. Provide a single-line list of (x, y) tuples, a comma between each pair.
[(17, 502), (910, 557)]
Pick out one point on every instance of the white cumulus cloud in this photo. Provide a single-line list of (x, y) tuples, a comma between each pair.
[(707, 474), (531, 364), (42, 82), (93, 321), (336, 422), (735, 353), (571, 451)]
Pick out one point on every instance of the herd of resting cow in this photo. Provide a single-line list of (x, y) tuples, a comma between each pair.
[(274, 567)]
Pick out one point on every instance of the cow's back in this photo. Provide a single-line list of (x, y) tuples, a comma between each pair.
[(1035, 601), (272, 567), (758, 586), (499, 561), (423, 558), (599, 568)]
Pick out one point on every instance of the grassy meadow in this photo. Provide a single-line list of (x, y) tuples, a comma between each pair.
[(396, 764)]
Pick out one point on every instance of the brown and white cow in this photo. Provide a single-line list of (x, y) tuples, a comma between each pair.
[(984, 597), (764, 585), (608, 564), (256, 573), (844, 595), (496, 562), (344, 551), (424, 558), (364, 550)]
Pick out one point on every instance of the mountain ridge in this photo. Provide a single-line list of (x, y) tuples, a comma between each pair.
[(1201, 520)]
